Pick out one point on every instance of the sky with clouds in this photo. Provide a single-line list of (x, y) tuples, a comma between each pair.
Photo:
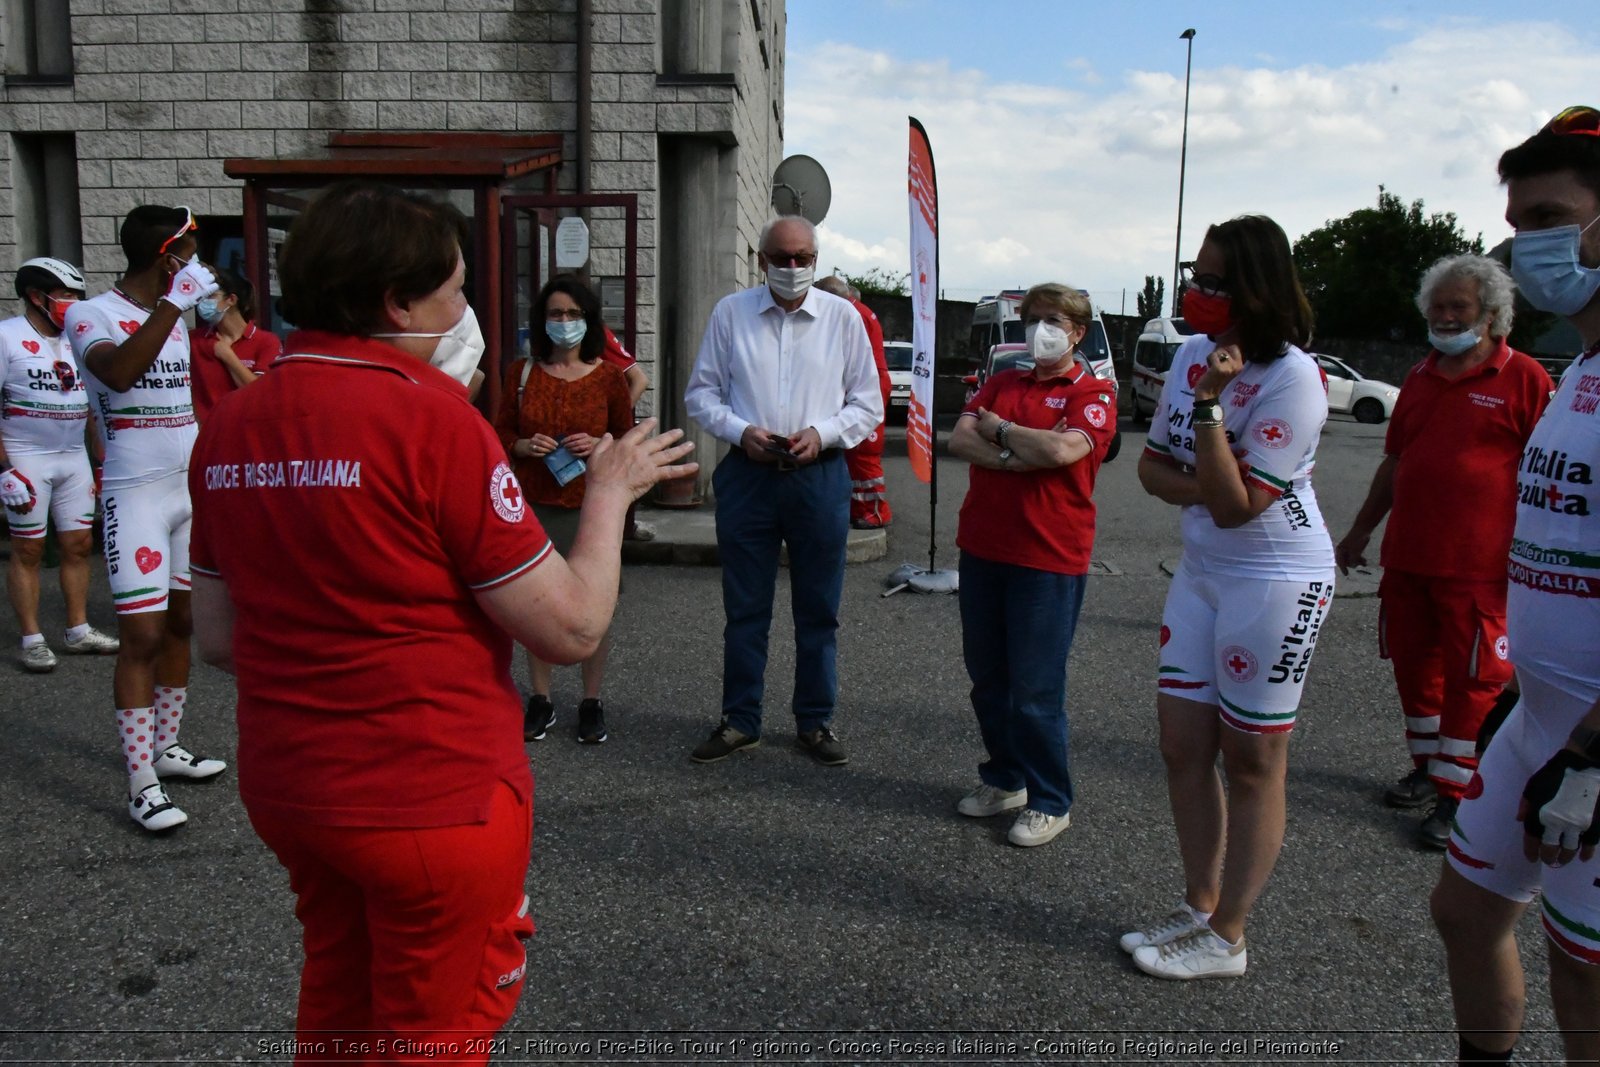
[(1056, 124)]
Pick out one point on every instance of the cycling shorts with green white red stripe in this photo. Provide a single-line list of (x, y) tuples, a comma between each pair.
[(147, 543), (1486, 841), (62, 489), (1243, 644)]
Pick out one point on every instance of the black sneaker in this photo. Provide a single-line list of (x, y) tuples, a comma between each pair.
[(1412, 791), (723, 742), (539, 717), (821, 745), (1434, 832), (591, 722)]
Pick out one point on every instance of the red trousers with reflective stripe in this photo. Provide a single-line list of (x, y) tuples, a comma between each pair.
[(414, 939), (869, 497), (1446, 639)]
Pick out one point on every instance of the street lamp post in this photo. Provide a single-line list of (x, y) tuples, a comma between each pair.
[(1183, 160)]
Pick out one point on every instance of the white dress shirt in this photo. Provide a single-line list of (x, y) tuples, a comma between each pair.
[(785, 370)]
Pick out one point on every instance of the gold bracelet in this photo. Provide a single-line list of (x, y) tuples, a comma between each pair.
[(1215, 423)]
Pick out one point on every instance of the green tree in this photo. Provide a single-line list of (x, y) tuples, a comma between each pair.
[(1361, 271), (878, 282), (1153, 298)]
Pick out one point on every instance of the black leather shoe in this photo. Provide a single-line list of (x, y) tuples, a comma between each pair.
[(1434, 832), (821, 745), (1412, 791)]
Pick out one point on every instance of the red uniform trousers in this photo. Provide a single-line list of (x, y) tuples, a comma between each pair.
[(1446, 639), (869, 498), (414, 939)]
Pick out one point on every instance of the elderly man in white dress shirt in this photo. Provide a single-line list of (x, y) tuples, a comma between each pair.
[(784, 375)]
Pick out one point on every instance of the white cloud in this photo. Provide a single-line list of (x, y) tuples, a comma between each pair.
[(1081, 184)]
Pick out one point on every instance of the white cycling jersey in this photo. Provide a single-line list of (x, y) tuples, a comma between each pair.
[(1273, 415), (1553, 599), (43, 404), (149, 430)]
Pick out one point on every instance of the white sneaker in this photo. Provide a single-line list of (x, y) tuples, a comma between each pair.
[(151, 809), (93, 643), (987, 800), (179, 762), (1180, 921), (1036, 828), (1198, 954), (37, 659)]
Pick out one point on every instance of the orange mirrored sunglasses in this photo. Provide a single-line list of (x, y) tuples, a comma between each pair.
[(1576, 121), (188, 226)]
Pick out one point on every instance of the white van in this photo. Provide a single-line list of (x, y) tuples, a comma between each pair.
[(1151, 359), (997, 320)]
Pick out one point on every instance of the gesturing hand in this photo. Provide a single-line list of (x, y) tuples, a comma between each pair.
[(638, 460)]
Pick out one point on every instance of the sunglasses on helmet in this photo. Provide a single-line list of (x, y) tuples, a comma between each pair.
[(188, 226)]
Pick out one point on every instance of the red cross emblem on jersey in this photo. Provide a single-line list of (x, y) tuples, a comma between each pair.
[(1237, 665), (505, 494), (186, 286), (1272, 433), (1240, 662), (1554, 496)]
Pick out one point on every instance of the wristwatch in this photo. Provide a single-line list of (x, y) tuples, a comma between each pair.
[(1001, 433), (1005, 455)]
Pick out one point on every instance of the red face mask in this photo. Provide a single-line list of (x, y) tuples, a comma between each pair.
[(56, 310), (1207, 312)]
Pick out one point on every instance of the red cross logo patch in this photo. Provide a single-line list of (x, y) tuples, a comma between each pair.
[(1272, 433), (1096, 414), (505, 494), (1239, 662)]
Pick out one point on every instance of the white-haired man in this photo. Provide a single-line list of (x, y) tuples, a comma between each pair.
[(1448, 482), (784, 375)]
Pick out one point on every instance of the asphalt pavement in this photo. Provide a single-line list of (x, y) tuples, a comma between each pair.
[(690, 913)]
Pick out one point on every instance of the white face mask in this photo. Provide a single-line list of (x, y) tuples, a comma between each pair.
[(460, 348), (790, 283), (1047, 344)]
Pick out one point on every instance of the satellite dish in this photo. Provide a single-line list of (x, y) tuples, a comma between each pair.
[(800, 187)]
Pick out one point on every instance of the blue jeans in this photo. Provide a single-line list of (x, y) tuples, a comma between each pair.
[(760, 509), (1016, 630)]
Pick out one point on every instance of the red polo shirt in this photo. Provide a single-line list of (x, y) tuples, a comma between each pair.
[(1042, 519), (209, 380), (615, 354), (353, 502), (1458, 442)]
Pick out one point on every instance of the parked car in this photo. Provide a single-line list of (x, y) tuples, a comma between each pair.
[(1368, 399), (898, 354), (1152, 358), (1015, 357)]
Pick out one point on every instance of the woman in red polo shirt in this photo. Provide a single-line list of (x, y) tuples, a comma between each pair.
[(228, 350), (363, 557), (555, 406), (1035, 439)]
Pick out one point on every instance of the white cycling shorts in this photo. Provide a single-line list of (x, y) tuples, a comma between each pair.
[(1486, 840), (1243, 644), (147, 543), (63, 490)]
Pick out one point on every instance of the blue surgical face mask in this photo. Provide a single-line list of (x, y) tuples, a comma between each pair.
[(208, 311), (1454, 344), (1546, 267), (566, 334)]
